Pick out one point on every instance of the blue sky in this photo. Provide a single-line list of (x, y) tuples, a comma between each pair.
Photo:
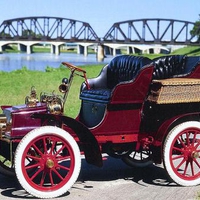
[(101, 14)]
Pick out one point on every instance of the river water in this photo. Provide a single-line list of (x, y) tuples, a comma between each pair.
[(39, 61)]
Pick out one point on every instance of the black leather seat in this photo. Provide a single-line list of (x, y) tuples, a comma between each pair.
[(121, 69), (169, 66)]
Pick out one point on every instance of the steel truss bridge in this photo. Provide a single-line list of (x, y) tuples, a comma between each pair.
[(57, 31), (47, 29), (148, 31)]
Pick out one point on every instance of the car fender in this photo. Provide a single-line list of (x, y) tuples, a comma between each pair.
[(88, 141), (169, 124)]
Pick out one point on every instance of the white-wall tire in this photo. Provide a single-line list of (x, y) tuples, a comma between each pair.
[(181, 153), (47, 162)]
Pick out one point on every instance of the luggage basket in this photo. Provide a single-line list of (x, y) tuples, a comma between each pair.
[(175, 90)]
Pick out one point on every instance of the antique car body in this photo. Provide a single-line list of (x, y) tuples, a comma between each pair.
[(139, 110)]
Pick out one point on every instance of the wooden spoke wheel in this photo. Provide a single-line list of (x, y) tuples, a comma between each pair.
[(47, 162), (182, 153)]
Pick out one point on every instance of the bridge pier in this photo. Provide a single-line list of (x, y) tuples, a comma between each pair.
[(116, 51), (100, 52), (55, 49), (29, 49), (21, 47), (2, 48), (112, 50), (107, 50), (25, 48), (82, 49), (130, 50)]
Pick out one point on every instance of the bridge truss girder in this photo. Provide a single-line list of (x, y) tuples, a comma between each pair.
[(148, 31), (47, 28)]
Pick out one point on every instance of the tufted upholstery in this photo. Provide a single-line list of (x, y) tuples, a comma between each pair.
[(124, 68), (169, 66), (120, 69)]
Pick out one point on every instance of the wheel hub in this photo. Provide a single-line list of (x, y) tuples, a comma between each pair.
[(49, 163), (195, 155)]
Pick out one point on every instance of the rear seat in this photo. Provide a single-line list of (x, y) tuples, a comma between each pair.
[(174, 66)]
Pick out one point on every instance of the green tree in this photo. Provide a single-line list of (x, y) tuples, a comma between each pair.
[(196, 30), (27, 33), (2, 34)]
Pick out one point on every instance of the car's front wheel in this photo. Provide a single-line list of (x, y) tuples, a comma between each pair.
[(47, 162)]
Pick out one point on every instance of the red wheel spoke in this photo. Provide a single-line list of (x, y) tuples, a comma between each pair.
[(187, 138), (45, 145), (181, 141), (61, 158), (38, 150), (186, 166), (32, 166), (53, 146), (32, 157), (197, 163), (63, 146), (180, 164), (43, 178), (51, 178), (57, 173), (63, 167), (178, 157), (36, 174), (194, 138), (192, 168), (178, 149)]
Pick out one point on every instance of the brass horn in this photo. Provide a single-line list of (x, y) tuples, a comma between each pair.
[(63, 88)]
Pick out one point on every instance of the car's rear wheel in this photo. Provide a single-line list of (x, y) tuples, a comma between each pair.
[(47, 162), (182, 153), (138, 158)]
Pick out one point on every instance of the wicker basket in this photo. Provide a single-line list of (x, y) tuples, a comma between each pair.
[(175, 90)]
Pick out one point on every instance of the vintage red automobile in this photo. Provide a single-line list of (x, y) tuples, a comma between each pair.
[(140, 110)]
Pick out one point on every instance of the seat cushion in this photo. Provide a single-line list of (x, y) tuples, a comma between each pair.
[(100, 95)]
